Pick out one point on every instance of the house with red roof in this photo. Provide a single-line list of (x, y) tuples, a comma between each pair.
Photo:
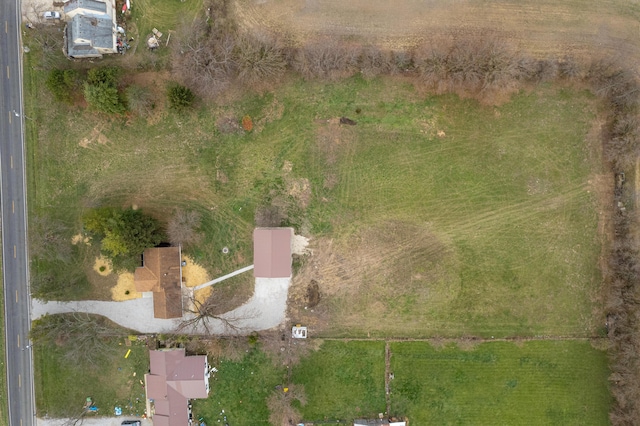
[(173, 379)]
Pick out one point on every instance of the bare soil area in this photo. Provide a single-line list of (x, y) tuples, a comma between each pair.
[(544, 28)]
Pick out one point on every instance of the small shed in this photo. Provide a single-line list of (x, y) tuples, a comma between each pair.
[(272, 252)]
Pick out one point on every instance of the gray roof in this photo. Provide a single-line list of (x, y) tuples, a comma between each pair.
[(95, 5), (99, 30)]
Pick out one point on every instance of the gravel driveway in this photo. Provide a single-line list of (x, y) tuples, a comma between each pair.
[(265, 310), (98, 421)]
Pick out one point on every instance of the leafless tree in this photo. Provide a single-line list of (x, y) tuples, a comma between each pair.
[(327, 59), (375, 61), (204, 315), (203, 58), (472, 64), (282, 413), (259, 57), (85, 338), (182, 229)]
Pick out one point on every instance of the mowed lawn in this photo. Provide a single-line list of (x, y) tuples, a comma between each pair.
[(342, 380), (62, 385), (442, 216), (239, 390), (449, 218), (536, 383)]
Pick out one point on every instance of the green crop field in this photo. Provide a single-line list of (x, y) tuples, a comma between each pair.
[(536, 383)]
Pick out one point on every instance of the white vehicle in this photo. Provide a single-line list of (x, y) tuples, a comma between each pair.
[(51, 15)]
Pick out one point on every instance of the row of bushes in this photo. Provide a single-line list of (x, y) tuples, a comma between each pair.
[(211, 54), (621, 91), (103, 91)]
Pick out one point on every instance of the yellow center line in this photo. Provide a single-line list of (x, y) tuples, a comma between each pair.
[(7, 71), (9, 117), (14, 252), (19, 380), (16, 296), (18, 340), (13, 207), (12, 155), (6, 27)]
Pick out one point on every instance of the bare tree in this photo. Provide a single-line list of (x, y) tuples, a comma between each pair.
[(282, 413), (375, 62), (258, 58), (326, 59), (473, 64), (182, 229), (205, 315), (86, 339), (203, 58)]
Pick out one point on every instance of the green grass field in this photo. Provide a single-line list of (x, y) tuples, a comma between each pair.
[(62, 385), (342, 380), (490, 228), (487, 229), (529, 383), (241, 388), (536, 383)]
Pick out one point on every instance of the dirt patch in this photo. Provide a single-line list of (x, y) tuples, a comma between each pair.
[(381, 269), (300, 190), (96, 136), (332, 138), (102, 266), (297, 188), (313, 294), (125, 288), (79, 238)]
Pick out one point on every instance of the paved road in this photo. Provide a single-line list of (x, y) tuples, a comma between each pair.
[(12, 196)]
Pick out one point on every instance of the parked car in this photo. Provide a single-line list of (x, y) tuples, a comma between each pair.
[(51, 15), (131, 422)]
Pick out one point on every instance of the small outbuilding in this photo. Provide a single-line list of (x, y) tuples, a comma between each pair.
[(272, 252)]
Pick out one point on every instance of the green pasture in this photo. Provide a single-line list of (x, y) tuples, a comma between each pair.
[(448, 217), (535, 383), (62, 385), (239, 391), (342, 380)]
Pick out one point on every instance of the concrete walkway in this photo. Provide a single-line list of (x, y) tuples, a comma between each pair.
[(265, 310)]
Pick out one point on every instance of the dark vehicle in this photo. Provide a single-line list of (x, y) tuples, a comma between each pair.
[(131, 422)]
